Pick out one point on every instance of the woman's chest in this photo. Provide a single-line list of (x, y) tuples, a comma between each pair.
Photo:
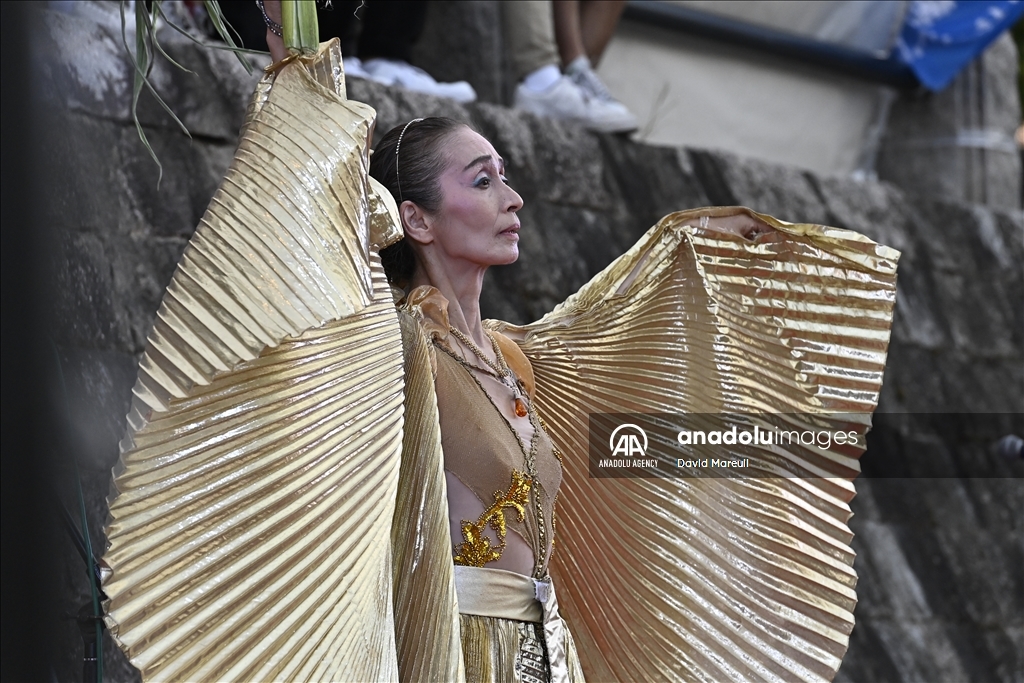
[(483, 444)]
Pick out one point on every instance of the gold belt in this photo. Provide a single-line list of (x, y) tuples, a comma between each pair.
[(508, 595)]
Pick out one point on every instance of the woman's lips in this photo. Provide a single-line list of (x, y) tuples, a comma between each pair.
[(514, 230)]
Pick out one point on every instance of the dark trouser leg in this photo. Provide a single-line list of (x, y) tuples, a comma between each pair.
[(391, 28), (339, 21), (245, 18)]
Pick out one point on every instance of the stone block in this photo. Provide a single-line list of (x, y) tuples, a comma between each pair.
[(1005, 646), (928, 651), (85, 186), (144, 269), (979, 584), (894, 589), (649, 182), (958, 143), (84, 306), (570, 165), (82, 64), (867, 659), (783, 192), (879, 210), (83, 67), (998, 502), (462, 41), (171, 206), (396, 106)]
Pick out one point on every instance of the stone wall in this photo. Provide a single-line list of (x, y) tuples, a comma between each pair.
[(958, 143), (942, 596)]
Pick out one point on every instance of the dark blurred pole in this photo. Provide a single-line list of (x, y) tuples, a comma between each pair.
[(87, 625), (26, 545)]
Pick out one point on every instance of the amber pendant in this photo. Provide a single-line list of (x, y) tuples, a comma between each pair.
[(520, 406)]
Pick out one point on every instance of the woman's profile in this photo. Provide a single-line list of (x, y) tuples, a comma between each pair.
[(335, 469)]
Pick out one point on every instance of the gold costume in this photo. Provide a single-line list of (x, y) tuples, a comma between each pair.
[(280, 508), (517, 487)]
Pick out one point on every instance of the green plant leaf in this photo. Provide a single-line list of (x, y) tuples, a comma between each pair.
[(147, 46), (231, 47), (301, 30), (140, 55), (224, 29)]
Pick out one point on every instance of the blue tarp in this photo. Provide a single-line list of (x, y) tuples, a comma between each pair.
[(940, 37)]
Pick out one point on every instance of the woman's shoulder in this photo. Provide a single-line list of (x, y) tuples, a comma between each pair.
[(423, 317), (429, 308)]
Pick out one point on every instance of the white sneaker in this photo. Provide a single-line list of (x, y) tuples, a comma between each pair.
[(614, 115), (354, 67), (409, 77), (563, 100), (567, 101)]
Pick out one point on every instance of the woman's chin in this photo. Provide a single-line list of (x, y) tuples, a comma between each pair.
[(509, 253)]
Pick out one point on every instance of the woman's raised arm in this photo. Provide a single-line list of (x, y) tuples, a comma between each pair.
[(272, 12)]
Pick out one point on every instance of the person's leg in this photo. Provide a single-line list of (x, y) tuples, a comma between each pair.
[(568, 30), (598, 19), (584, 28), (391, 28), (529, 36), (543, 90)]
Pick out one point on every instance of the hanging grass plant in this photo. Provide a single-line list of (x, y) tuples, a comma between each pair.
[(300, 34)]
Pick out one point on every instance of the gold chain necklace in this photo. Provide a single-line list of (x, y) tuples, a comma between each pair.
[(530, 457), (501, 370)]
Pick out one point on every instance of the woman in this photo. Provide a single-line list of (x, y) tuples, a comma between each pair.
[(317, 487), (458, 215)]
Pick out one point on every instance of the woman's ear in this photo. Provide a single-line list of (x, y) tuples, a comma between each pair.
[(416, 222)]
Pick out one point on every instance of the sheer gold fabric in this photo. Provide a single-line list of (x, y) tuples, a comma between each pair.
[(280, 512), (482, 452)]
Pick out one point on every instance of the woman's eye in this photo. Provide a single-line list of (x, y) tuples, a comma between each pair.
[(504, 179), (483, 182)]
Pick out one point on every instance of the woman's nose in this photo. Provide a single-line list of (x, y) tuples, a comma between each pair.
[(515, 201)]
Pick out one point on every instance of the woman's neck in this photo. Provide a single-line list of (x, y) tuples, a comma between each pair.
[(461, 287)]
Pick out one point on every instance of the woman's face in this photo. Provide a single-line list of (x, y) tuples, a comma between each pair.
[(477, 220)]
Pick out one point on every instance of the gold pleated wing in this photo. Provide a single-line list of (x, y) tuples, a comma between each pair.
[(251, 523), (744, 577)]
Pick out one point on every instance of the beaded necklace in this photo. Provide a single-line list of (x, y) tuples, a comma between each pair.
[(501, 371)]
